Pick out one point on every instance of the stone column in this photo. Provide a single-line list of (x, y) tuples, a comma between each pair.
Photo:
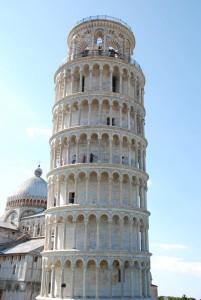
[(110, 114), (90, 80), (98, 192), (120, 191), (144, 160), (122, 282), (85, 234), (99, 150), (89, 114), (66, 191), (72, 281), (129, 84), (101, 79), (137, 194), (148, 283), (110, 281), (88, 149), (129, 153), (62, 281), (72, 81), (84, 281), (141, 160), (132, 281), (135, 121), (87, 189), (76, 189), (52, 281), (120, 83), (140, 92), (130, 192), (97, 233), (64, 92), (120, 115), (110, 151), (47, 282), (55, 156), (64, 235), (111, 75), (42, 281), (129, 118), (99, 112), (140, 281), (60, 153), (120, 151), (80, 83), (145, 283), (70, 116), (77, 151), (55, 235), (97, 282), (58, 191), (110, 234), (79, 114), (142, 97), (110, 190), (131, 235), (138, 238), (134, 87), (68, 153), (62, 119), (146, 239), (143, 239), (74, 234), (121, 234), (49, 245)]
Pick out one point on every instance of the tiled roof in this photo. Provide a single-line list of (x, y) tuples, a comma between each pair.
[(25, 247), (7, 225), (40, 214)]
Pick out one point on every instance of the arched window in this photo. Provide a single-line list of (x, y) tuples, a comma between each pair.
[(13, 217), (99, 40)]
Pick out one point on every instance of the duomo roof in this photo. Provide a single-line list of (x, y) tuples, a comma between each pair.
[(35, 187)]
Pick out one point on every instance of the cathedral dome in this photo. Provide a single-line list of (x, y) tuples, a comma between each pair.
[(35, 187)]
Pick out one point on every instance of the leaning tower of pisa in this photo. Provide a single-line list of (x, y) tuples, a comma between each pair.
[(97, 219)]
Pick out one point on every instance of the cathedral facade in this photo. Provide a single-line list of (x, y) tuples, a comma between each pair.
[(22, 231)]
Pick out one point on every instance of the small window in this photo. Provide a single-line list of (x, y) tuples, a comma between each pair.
[(35, 258), (83, 82), (114, 84), (119, 275), (113, 121), (108, 120), (14, 269), (71, 197)]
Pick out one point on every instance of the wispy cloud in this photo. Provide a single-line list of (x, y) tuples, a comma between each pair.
[(33, 131), (169, 246), (176, 265)]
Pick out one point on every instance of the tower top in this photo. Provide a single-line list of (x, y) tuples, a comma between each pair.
[(103, 17), (100, 35)]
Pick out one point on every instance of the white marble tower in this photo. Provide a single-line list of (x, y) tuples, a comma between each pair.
[(97, 219)]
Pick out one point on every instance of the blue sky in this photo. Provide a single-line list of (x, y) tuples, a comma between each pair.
[(168, 47)]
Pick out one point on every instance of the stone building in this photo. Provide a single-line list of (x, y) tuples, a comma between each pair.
[(97, 221), (22, 231)]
